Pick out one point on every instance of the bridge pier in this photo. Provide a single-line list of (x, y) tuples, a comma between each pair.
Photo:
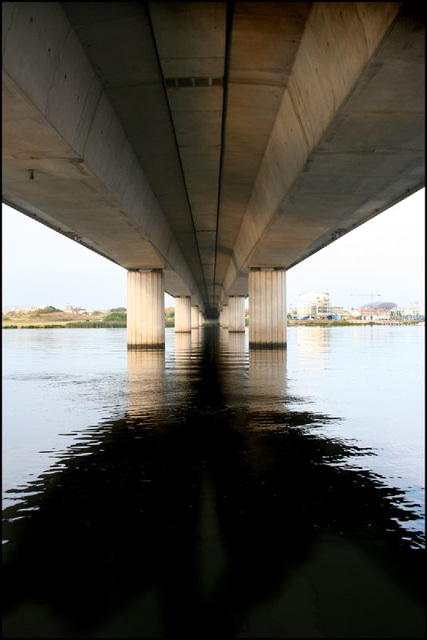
[(236, 314), (194, 316), (183, 314), (225, 316), (267, 308), (145, 308)]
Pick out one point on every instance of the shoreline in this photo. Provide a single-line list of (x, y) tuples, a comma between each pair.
[(118, 325)]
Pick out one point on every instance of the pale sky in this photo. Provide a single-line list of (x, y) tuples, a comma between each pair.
[(384, 256)]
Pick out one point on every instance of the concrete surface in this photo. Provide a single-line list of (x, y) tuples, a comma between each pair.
[(267, 308), (183, 314), (205, 139), (236, 314), (145, 309)]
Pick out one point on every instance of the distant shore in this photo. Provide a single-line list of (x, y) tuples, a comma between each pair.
[(52, 318), (100, 323), (48, 319), (55, 319), (354, 323)]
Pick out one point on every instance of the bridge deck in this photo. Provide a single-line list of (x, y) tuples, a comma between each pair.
[(208, 138)]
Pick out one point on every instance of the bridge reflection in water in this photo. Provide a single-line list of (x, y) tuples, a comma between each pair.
[(210, 509)]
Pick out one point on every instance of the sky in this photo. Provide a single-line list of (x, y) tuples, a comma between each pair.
[(384, 256)]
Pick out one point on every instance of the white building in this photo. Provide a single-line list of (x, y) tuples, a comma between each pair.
[(415, 310), (314, 304), (69, 308)]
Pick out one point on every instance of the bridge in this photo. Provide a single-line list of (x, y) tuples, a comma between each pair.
[(209, 147)]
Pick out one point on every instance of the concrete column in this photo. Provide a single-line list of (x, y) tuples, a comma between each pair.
[(225, 316), (183, 314), (267, 308), (200, 318), (145, 308), (194, 316), (236, 314)]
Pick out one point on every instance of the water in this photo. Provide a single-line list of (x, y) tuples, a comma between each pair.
[(210, 491)]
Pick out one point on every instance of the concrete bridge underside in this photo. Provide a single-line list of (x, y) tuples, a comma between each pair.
[(205, 141)]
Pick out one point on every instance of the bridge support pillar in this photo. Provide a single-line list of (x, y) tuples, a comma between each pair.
[(236, 314), (146, 308), (200, 319), (183, 314), (194, 316), (267, 308), (225, 316)]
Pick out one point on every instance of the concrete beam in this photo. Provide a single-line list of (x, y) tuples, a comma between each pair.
[(88, 182), (348, 137), (115, 131)]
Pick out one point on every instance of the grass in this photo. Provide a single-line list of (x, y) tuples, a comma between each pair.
[(116, 316)]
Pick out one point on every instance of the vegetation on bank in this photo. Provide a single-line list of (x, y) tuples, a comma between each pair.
[(170, 317), (116, 318), (44, 311), (112, 319)]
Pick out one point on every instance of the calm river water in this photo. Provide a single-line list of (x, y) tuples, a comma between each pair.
[(213, 491)]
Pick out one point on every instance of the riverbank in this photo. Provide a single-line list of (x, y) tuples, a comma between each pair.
[(116, 319), (355, 323), (122, 325), (48, 319)]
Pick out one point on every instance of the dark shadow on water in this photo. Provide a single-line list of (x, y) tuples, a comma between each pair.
[(202, 514)]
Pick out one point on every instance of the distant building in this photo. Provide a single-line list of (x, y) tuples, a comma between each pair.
[(68, 308), (413, 312), (416, 310), (378, 311), (314, 304)]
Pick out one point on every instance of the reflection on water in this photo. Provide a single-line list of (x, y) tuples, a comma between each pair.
[(315, 343), (211, 508), (196, 337), (182, 343), (146, 372), (236, 343), (267, 378)]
